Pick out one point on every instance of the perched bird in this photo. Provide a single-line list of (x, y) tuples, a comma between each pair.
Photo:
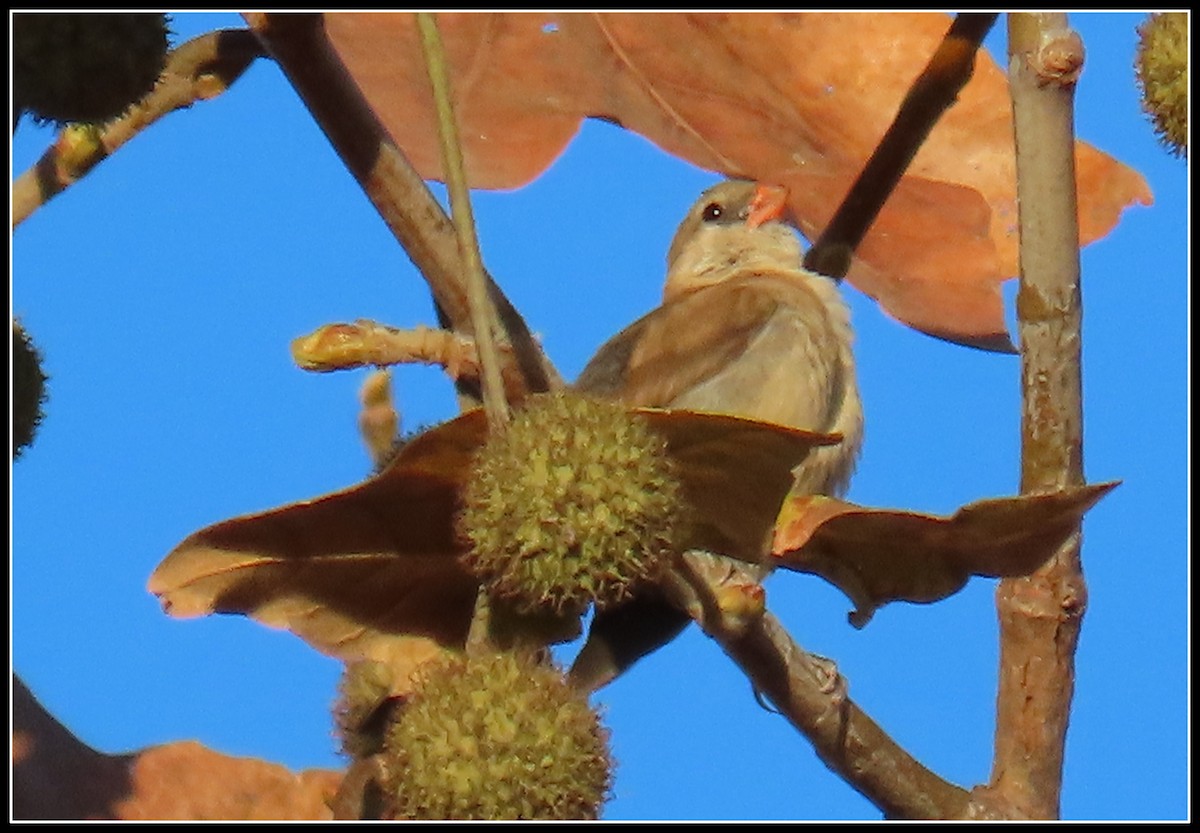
[(743, 329)]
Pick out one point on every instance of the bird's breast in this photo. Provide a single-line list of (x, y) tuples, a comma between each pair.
[(795, 368)]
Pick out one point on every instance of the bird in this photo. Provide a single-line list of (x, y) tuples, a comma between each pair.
[(744, 330)]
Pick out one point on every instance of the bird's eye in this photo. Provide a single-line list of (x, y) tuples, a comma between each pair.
[(712, 211)]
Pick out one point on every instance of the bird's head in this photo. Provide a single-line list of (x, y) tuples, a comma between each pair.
[(734, 226)]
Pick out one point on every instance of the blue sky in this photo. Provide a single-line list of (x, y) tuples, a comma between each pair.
[(164, 290)]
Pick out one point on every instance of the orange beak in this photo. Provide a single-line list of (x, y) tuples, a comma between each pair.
[(769, 203)]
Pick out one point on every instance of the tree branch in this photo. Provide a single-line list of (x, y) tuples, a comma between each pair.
[(811, 694), (200, 69), (1040, 615), (931, 94), (300, 47)]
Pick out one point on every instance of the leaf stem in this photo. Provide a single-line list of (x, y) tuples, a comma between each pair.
[(479, 307), (299, 45)]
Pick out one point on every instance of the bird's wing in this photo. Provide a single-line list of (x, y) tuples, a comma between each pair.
[(677, 347), (757, 345)]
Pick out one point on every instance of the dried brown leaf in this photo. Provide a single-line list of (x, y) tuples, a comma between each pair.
[(735, 474), (372, 571), (877, 556), (796, 99), (368, 572), (58, 777)]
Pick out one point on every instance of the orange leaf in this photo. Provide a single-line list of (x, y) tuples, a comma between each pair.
[(876, 556), (796, 99)]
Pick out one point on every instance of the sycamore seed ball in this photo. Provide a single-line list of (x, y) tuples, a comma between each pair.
[(576, 502), (85, 67), (497, 737), (1162, 73), (28, 389)]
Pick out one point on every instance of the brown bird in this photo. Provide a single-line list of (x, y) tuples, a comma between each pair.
[(743, 329)]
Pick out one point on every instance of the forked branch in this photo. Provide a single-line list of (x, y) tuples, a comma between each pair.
[(400, 195), (812, 695)]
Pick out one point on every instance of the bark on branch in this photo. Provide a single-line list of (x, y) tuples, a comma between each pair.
[(810, 693), (1040, 615), (200, 69), (299, 45)]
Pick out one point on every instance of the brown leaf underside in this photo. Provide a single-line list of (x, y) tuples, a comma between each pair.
[(877, 556), (371, 571), (368, 572), (796, 99)]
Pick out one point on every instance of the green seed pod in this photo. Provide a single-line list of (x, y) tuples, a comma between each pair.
[(85, 67), (1162, 73), (496, 737), (363, 707), (28, 391), (575, 502)]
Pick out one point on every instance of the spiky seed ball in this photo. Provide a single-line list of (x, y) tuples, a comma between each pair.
[(1162, 73), (496, 737), (363, 707), (576, 502), (28, 389), (82, 67)]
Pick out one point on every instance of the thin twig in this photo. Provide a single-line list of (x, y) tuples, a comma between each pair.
[(300, 47), (200, 69), (378, 419), (479, 307), (366, 343), (1040, 615), (810, 693), (935, 89)]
